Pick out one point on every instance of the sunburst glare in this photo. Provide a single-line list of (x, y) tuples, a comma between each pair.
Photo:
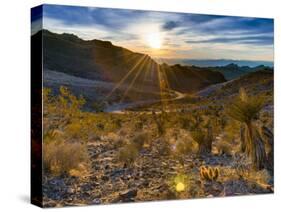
[(154, 40)]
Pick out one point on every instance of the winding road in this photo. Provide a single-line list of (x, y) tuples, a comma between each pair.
[(121, 107)]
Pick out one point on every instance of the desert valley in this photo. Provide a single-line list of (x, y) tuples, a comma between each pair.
[(120, 126)]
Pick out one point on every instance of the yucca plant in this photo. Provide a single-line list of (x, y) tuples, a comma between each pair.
[(267, 134), (242, 139), (160, 121), (204, 140), (245, 109)]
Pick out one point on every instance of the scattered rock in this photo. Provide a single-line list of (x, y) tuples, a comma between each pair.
[(96, 201), (146, 179), (128, 195)]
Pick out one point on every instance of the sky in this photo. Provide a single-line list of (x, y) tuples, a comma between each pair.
[(166, 34)]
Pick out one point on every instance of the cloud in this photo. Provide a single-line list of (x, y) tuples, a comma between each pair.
[(236, 25), (257, 40), (170, 25), (187, 35), (36, 25)]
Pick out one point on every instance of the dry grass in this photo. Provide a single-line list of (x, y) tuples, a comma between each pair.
[(185, 147), (139, 140), (128, 154), (61, 157)]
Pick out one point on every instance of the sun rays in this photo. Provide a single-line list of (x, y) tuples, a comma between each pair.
[(143, 70)]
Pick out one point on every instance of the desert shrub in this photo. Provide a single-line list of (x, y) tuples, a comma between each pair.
[(184, 122), (98, 106), (160, 120), (139, 140), (185, 147), (138, 122), (68, 105), (128, 154), (75, 130), (60, 111), (61, 157), (204, 139), (118, 123), (224, 147), (138, 125), (163, 146), (118, 143)]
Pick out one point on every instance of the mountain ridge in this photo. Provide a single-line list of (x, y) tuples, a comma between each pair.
[(101, 60), (214, 62)]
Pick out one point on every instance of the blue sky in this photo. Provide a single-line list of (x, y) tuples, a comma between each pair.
[(167, 35)]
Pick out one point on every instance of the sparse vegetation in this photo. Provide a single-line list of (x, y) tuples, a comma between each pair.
[(190, 152), (246, 110)]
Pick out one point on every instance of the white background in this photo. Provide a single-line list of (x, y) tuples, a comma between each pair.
[(15, 102)]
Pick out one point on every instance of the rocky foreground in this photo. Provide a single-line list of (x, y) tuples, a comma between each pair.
[(149, 178)]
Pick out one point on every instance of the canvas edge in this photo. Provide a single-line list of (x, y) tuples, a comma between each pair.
[(36, 107)]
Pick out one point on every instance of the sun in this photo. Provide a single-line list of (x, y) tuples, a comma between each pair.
[(154, 40)]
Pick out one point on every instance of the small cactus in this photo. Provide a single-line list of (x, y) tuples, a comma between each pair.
[(208, 173)]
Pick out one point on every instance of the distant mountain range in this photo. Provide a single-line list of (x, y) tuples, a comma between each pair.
[(212, 63), (232, 71), (101, 60)]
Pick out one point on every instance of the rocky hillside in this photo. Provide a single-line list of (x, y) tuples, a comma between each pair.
[(255, 83), (190, 78), (101, 60), (96, 59)]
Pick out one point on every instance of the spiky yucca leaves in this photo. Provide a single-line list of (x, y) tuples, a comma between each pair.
[(199, 137), (267, 134), (208, 173), (257, 149), (245, 109), (242, 139)]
